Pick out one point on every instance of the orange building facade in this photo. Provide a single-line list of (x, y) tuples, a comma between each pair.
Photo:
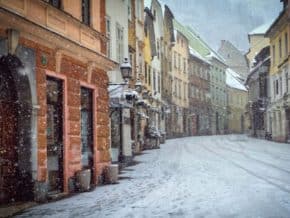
[(53, 58)]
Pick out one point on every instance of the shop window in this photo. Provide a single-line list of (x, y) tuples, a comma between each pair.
[(87, 127)]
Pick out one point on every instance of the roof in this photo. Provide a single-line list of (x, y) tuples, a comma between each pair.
[(233, 80), (197, 43), (235, 74), (193, 41), (282, 13), (261, 30), (195, 54), (213, 54)]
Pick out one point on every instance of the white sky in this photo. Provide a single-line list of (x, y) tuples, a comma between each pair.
[(215, 20)]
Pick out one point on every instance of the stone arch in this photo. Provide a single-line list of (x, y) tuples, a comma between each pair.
[(18, 72)]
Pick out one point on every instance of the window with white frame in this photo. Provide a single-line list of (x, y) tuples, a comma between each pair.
[(280, 81), (146, 72), (130, 14), (184, 65), (158, 49), (159, 84), (184, 92), (154, 80), (273, 53), (179, 89), (179, 61), (174, 59), (175, 87), (277, 87), (108, 32), (120, 43), (149, 75), (139, 10)]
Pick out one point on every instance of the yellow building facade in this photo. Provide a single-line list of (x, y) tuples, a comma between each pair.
[(180, 54), (237, 100), (278, 112), (257, 41)]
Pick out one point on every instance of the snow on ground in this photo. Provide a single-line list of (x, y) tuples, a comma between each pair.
[(214, 176)]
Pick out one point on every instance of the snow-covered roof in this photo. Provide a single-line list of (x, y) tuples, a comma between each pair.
[(261, 29), (233, 80), (194, 53), (235, 74), (213, 54)]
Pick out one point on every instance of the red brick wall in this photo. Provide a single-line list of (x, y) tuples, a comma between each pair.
[(74, 73)]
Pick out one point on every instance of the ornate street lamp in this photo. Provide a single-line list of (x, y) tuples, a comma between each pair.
[(126, 70), (138, 86)]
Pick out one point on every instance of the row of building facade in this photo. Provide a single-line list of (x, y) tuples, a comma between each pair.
[(268, 80), (66, 105)]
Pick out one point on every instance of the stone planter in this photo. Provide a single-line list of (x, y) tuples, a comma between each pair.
[(111, 174), (83, 179), (163, 138), (154, 142)]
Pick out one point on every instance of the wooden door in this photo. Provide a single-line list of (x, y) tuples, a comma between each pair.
[(8, 138)]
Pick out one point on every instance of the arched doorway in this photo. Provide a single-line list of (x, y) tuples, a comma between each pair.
[(8, 136), (16, 183)]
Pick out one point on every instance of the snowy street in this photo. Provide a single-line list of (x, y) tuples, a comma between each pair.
[(213, 176)]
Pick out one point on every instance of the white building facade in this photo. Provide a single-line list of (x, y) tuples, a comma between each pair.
[(117, 50)]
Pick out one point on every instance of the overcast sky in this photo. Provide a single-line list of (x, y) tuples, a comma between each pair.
[(215, 20)]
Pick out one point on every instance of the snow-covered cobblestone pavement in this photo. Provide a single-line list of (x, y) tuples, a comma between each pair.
[(215, 176)]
